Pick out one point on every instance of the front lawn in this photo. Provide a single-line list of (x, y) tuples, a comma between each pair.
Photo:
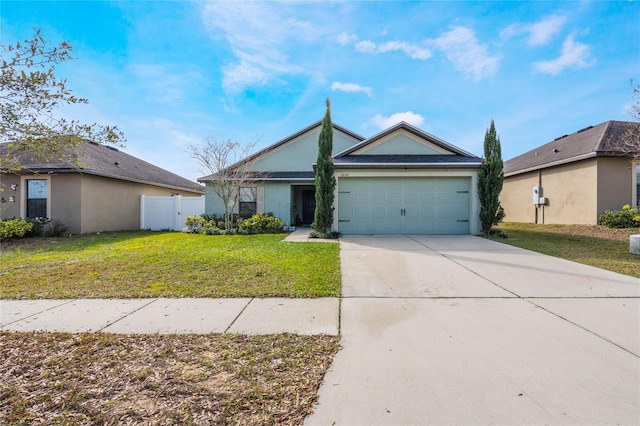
[(597, 246), (109, 379), (167, 264)]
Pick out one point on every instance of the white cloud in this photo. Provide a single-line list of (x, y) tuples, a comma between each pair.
[(411, 50), (408, 117), (540, 33), (345, 38), (366, 46), (462, 48), (575, 55), (258, 33), (351, 87)]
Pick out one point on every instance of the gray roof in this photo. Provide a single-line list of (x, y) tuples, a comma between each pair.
[(605, 139), (411, 129), (284, 141), (406, 161), (107, 161)]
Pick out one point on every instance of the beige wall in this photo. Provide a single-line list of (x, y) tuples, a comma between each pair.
[(516, 198), (7, 209), (615, 180), (114, 205), (577, 192), (86, 203), (65, 201)]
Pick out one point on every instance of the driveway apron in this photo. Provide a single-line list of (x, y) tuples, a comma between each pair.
[(462, 330)]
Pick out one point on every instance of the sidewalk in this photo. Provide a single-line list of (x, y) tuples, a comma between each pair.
[(180, 316), (173, 316)]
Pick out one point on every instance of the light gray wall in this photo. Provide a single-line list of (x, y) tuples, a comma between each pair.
[(301, 153)]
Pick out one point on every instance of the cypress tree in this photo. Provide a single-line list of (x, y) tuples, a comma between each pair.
[(490, 182), (325, 180)]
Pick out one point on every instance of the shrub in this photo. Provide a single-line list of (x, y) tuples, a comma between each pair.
[(627, 217), (56, 229), (15, 228), (261, 223)]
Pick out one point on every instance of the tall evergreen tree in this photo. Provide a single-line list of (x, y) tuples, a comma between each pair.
[(490, 181), (325, 180)]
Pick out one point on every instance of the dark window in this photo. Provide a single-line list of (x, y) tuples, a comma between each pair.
[(248, 202), (37, 198)]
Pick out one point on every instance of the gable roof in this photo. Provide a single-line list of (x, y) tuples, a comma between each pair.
[(451, 156), (602, 140), (285, 141), (107, 161), (411, 129)]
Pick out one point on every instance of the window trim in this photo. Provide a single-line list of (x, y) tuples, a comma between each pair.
[(254, 202), (23, 193)]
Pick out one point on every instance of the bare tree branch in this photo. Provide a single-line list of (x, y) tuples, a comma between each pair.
[(229, 167)]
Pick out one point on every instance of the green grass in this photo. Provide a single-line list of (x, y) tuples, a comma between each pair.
[(168, 264), (591, 245)]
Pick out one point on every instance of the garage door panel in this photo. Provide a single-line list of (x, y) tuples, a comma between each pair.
[(414, 205)]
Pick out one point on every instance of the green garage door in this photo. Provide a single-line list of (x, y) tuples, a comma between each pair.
[(431, 205)]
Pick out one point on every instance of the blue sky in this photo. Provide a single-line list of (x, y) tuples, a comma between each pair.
[(172, 73)]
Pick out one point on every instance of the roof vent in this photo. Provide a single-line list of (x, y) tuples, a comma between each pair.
[(117, 163), (586, 128), (556, 150), (560, 137), (113, 148)]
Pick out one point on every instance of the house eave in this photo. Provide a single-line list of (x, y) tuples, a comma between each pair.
[(43, 171), (407, 165), (553, 164)]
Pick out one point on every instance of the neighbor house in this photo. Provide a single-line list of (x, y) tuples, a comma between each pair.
[(100, 193), (401, 180), (574, 178)]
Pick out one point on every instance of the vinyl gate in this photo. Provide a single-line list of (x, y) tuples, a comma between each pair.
[(161, 213)]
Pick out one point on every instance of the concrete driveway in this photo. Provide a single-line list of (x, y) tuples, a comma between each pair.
[(461, 330)]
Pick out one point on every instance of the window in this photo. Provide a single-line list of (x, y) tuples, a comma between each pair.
[(248, 202), (37, 198)]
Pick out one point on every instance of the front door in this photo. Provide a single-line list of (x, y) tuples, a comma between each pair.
[(308, 206)]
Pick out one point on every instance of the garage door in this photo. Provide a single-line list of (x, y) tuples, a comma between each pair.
[(404, 205)]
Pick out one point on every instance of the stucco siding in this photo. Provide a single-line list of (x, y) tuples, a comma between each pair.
[(114, 205), (65, 201), (9, 209), (300, 154), (277, 200), (615, 179), (571, 191), (516, 198), (401, 143)]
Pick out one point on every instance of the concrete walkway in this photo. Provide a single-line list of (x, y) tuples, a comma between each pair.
[(461, 330), (435, 330), (167, 316)]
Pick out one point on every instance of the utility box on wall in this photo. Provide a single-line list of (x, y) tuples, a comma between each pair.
[(537, 194)]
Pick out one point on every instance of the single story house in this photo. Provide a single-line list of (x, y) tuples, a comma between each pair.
[(102, 193), (400, 181), (574, 178)]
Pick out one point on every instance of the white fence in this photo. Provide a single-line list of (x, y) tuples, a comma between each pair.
[(160, 213)]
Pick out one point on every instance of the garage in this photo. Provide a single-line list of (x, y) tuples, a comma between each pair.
[(404, 205)]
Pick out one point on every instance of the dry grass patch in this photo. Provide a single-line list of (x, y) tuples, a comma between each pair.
[(59, 378)]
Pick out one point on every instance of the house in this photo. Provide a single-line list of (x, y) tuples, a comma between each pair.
[(102, 193), (399, 181), (574, 178)]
